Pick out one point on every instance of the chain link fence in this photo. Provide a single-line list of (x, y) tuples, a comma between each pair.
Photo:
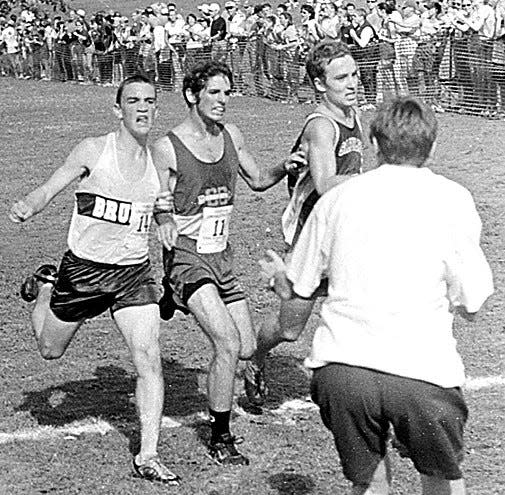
[(452, 72)]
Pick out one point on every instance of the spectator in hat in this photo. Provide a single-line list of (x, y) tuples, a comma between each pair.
[(218, 32), (235, 19)]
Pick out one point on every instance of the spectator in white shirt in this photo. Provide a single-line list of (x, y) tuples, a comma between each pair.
[(235, 20), (9, 36), (407, 30), (329, 21), (400, 245)]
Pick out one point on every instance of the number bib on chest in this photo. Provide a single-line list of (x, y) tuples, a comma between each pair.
[(213, 235), (140, 221)]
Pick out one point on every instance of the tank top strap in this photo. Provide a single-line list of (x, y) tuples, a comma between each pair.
[(229, 146)]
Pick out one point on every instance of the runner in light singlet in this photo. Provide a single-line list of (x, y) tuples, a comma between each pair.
[(107, 264), (199, 161), (332, 142)]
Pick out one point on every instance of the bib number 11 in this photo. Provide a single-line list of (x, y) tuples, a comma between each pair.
[(213, 235)]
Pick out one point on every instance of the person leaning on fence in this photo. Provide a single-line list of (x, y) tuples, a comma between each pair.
[(236, 38), (107, 266), (366, 54), (481, 24), (218, 31), (400, 247)]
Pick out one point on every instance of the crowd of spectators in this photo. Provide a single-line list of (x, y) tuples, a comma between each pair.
[(404, 48)]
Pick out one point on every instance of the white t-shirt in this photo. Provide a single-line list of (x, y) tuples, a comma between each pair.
[(10, 38), (175, 30), (399, 246)]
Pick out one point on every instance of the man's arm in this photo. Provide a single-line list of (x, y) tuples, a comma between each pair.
[(257, 178), (363, 40), (302, 273), (467, 273), (163, 156), (319, 142), (76, 165), (274, 270)]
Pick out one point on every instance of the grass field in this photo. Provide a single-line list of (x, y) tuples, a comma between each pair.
[(91, 388)]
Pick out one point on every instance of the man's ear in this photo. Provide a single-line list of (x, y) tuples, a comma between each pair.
[(319, 85), (191, 97), (117, 111)]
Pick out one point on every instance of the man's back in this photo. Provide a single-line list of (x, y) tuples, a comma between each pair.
[(392, 239)]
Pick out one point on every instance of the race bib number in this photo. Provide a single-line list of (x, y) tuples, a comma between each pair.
[(213, 235), (140, 223), (142, 214)]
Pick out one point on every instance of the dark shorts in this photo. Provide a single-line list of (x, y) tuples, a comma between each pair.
[(358, 405), (186, 271), (85, 289)]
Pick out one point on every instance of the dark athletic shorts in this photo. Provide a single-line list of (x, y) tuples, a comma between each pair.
[(85, 289), (186, 271), (358, 405)]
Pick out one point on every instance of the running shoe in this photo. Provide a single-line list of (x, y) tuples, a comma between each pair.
[(255, 385), (154, 470), (45, 274), (223, 451)]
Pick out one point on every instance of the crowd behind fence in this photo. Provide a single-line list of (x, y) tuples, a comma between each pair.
[(450, 69)]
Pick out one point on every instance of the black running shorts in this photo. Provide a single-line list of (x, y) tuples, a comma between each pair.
[(85, 289), (358, 405), (186, 271)]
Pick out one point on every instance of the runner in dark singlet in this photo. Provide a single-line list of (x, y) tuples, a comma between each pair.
[(333, 145)]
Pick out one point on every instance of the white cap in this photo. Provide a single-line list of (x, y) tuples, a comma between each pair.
[(214, 8), (80, 13), (230, 3)]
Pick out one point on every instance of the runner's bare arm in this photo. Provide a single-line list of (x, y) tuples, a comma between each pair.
[(76, 165), (256, 177), (163, 156), (319, 141)]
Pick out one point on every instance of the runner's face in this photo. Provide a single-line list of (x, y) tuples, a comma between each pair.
[(138, 108), (341, 82), (213, 98)]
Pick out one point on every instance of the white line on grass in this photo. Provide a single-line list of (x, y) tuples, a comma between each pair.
[(98, 426)]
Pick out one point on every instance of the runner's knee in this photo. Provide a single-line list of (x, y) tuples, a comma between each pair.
[(247, 350), (290, 334), (227, 346), (146, 358)]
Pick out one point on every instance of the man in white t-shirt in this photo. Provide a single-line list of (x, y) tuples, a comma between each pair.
[(235, 20), (400, 247), (9, 36)]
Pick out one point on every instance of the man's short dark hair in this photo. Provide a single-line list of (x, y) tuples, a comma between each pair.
[(136, 78), (405, 131), (309, 9), (196, 79), (322, 55), (287, 16)]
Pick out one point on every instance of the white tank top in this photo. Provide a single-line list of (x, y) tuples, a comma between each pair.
[(111, 218)]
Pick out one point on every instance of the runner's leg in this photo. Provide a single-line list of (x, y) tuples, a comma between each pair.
[(52, 334), (241, 316), (217, 323), (140, 327)]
